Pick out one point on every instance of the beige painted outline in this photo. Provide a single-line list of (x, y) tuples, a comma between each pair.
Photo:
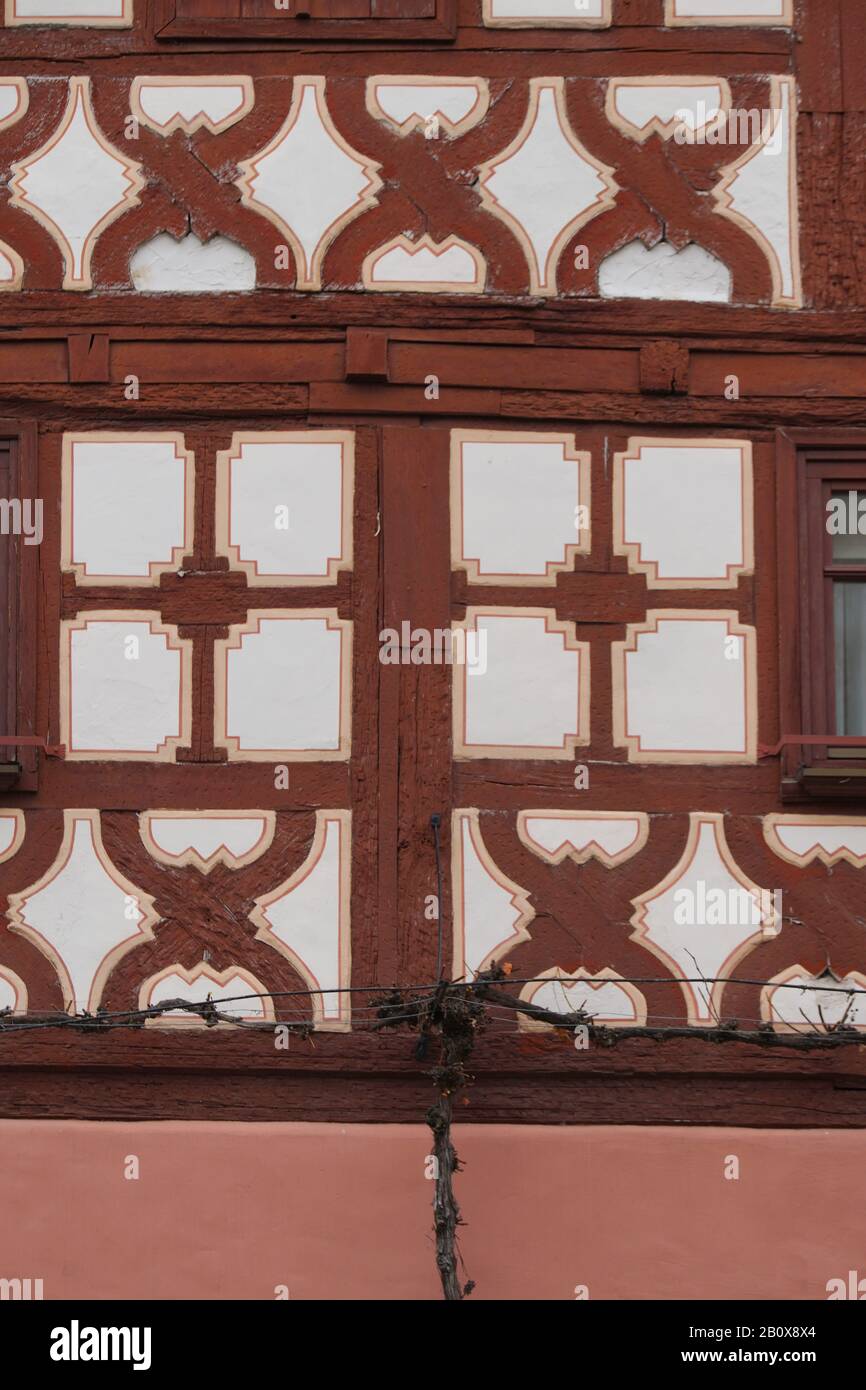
[(530, 752), (853, 980), (665, 129), (143, 930), (418, 120), (121, 21), (438, 248), (519, 896), (309, 277), (265, 933), (537, 22), (711, 21), (155, 567), (545, 283), (533, 1025), (224, 460), (771, 925), (20, 85), (571, 453), (167, 750), (593, 850), (845, 855), (723, 198), (201, 120), (634, 631), (217, 977), (632, 549), (18, 835), (21, 996), (237, 632), (17, 268), (79, 91), (190, 856)]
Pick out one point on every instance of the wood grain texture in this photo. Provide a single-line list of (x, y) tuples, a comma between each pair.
[(221, 1076)]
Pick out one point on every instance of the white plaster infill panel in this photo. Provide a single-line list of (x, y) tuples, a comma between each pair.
[(796, 1001), (683, 511), (14, 100), (547, 14), (13, 991), (829, 839), (185, 265), (127, 513), (759, 193), (713, 12), (166, 104), (309, 181), (200, 985), (609, 836), (607, 999), (685, 688), (643, 106), (520, 505), (12, 831), (545, 185), (283, 686), (11, 268), (125, 687), (284, 505), (76, 185), (306, 918), (407, 103), (95, 14), (704, 917), (491, 911), (204, 839), (83, 914), (451, 266), (691, 275), (523, 691)]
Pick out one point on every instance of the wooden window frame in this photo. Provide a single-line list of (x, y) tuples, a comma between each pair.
[(809, 462), (20, 571), (372, 21)]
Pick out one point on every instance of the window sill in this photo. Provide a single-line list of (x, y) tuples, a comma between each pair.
[(822, 783), (439, 26)]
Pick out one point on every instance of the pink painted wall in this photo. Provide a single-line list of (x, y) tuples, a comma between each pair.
[(343, 1211)]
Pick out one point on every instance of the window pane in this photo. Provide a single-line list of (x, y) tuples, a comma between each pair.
[(849, 605), (844, 516)]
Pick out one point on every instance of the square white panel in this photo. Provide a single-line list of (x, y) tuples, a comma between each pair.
[(284, 505)]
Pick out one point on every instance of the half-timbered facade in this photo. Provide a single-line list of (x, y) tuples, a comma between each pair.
[(421, 409)]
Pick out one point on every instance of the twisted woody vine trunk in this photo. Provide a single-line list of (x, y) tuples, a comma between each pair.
[(454, 1016)]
